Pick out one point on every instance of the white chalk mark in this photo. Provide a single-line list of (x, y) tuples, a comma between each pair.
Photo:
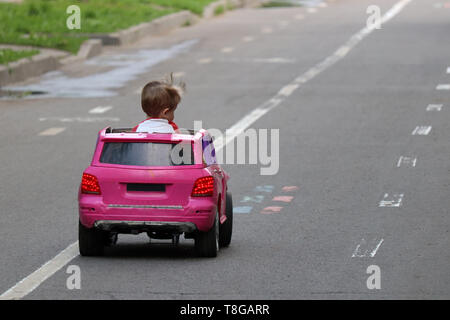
[(391, 201), (52, 131), (421, 131), (367, 249), (100, 109), (434, 107), (406, 161)]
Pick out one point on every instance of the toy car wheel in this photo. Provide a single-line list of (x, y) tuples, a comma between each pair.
[(91, 241), (207, 243), (226, 228)]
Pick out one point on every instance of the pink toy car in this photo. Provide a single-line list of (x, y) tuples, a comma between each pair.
[(161, 184)]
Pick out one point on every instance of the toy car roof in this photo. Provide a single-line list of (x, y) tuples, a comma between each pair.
[(110, 133)]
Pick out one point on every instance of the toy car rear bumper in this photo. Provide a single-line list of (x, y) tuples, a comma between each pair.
[(198, 213), (145, 226)]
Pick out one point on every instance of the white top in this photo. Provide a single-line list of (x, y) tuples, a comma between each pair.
[(155, 126)]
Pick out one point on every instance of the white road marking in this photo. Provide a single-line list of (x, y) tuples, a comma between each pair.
[(288, 90), (391, 201), (204, 60), (179, 74), (261, 110), (283, 24), (227, 49), (31, 282), (100, 109), (299, 16), (248, 39), (406, 161), (421, 131), (311, 10), (80, 119), (367, 249), (443, 87), (273, 60), (434, 107), (52, 131), (448, 70), (343, 51), (323, 5), (267, 30)]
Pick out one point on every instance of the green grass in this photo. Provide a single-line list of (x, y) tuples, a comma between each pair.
[(9, 55), (219, 10), (275, 4), (43, 22)]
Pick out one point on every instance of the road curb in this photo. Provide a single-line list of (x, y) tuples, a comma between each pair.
[(45, 62), (31, 67)]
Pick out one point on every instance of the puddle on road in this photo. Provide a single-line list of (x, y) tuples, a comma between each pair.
[(126, 67)]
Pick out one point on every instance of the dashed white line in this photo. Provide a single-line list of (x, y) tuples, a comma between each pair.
[(248, 39), (236, 129), (204, 60), (100, 109), (311, 10), (267, 30), (274, 60), (80, 119), (448, 70), (52, 131), (443, 87), (299, 16), (421, 131), (227, 49), (434, 107)]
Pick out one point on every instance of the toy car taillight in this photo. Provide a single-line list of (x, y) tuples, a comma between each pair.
[(89, 184), (203, 187)]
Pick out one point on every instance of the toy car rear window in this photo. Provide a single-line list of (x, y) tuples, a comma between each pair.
[(148, 154)]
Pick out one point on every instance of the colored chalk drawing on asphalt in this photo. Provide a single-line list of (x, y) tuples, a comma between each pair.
[(256, 199), (265, 188), (271, 209), (125, 68), (286, 199), (242, 209), (290, 188)]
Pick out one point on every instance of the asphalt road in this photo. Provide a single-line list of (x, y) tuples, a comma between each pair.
[(342, 136)]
